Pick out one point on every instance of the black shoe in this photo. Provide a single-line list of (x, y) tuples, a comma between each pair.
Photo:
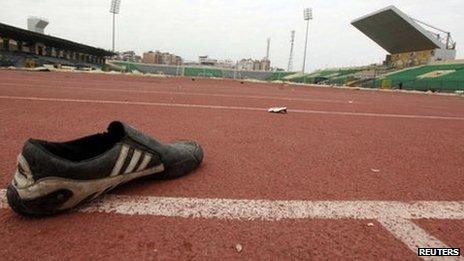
[(52, 177)]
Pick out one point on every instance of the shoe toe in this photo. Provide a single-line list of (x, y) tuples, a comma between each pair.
[(194, 149), (183, 157)]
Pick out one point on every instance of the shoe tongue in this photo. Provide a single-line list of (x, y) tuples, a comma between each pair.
[(122, 130), (117, 129)]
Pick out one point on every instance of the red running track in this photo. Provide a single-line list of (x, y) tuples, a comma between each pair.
[(249, 154)]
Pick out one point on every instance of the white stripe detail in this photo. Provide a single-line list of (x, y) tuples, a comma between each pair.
[(135, 158), (120, 161), (219, 107), (145, 161), (22, 181), (23, 162), (81, 188), (24, 178)]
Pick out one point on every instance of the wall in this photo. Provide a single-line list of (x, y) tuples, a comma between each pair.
[(179, 70)]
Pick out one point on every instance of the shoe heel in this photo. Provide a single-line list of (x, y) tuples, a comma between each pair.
[(41, 206)]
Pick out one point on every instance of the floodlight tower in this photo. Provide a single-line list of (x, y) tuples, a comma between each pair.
[(114, 9), (308, 15), (290, 58), (267, 48)]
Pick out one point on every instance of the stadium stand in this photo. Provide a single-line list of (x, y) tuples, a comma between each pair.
[(327, 76), (406, 39), (440, 77), (28, 48)]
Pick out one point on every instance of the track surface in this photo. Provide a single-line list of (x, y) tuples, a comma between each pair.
[(323, 150)]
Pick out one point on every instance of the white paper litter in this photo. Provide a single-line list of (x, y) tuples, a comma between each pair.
[(277, 110)]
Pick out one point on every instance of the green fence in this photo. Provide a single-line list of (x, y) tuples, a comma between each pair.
[(202, 72), (308, 79), (129, 66), (278, 76)]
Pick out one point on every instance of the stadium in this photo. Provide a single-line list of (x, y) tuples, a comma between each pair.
[(363, 162), (419, 59)]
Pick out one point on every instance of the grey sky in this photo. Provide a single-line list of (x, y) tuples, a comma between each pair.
[(232, 29)]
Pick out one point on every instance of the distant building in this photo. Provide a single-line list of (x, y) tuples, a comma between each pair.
[(265, 64), (152, 57), (254, 65), (128, 56), (170, 59), (205, 60), (227, 64), (158, 57), (245, 65)]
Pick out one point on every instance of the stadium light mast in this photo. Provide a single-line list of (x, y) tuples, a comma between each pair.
[(114, 9), (290, 58), (308, 15)]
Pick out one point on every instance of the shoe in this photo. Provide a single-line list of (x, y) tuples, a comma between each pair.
[(52, 177)]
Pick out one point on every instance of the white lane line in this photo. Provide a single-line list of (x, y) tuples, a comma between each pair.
[(219, 107), (3, 201), (413, 236), (385, 115), (393, 215), (184, 93), (273, 209)]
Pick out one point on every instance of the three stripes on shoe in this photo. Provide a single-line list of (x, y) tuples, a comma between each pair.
[(130, 160)]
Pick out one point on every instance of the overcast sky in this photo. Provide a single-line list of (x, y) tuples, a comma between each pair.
[(232, 29)]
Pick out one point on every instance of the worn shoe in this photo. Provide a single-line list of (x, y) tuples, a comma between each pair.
[(52, 177)]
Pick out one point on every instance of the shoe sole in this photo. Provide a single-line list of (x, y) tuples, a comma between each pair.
[(54, 194)]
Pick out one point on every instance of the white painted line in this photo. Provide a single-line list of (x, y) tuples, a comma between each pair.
[(413, 236), (132, 103), (219, 107), (393, 215), (3, 201), (183, 93), (385, 115), (273, 209)]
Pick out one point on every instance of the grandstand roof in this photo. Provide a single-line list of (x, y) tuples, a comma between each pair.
[(395, 31), (30, 36)]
